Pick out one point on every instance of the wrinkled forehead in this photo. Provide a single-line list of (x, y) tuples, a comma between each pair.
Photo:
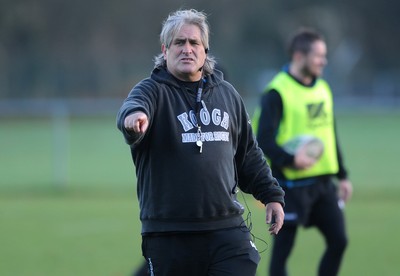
[(188, 32), (185, 31)]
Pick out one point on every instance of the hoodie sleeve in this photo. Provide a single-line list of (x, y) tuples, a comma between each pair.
[(141, 98), (254, 174)]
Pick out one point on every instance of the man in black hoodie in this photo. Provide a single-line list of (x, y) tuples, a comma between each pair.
[(192, 145)]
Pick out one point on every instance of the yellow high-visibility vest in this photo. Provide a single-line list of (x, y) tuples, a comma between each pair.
[(307, 111)]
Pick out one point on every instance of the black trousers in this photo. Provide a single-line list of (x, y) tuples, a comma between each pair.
[(324, 213), (228, 252)]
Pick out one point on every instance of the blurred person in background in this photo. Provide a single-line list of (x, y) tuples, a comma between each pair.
[(193, 148), (297, 104)]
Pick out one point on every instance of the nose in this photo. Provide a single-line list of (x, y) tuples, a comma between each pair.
[(187, 48)]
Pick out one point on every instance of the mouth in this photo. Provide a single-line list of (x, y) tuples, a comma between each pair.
[(187, 59)]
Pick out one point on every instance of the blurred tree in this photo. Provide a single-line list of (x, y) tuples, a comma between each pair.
[(88, 48)]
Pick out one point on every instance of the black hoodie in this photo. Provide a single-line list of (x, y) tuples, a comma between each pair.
[(179, 188)]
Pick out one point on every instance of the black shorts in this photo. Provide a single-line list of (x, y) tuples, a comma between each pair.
[(222, 252), (301, 200)]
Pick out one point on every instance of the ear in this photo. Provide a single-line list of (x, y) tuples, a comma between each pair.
[(297, 56), (164, 50)]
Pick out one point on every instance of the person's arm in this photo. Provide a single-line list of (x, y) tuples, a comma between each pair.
[(135, 114), (345, 186), (342, 173), (255, 177), (254, 174), (268, 126)]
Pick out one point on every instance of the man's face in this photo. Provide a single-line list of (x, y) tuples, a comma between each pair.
[(315, 61), (186, 54)]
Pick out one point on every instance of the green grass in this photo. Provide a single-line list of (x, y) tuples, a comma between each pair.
[(69, 235), (92, 154), (82, 218)]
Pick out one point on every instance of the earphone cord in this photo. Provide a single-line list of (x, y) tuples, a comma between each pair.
[(249, 223)]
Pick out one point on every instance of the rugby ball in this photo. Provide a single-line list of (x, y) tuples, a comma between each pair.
[(313, 146)]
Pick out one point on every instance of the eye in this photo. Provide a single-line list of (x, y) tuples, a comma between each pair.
[(194, 42), (179, 42)]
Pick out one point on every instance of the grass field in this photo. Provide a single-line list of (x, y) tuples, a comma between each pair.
[(87, 222)]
